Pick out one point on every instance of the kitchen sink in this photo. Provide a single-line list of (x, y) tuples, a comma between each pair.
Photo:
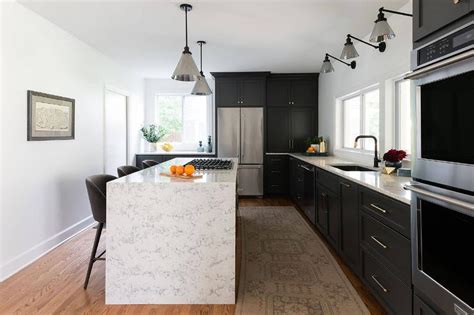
[(353, 168)]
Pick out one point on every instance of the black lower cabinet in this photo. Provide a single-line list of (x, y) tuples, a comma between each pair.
[(392, 292), (276, 175), (328, 215), (349, 211), (309, 201)]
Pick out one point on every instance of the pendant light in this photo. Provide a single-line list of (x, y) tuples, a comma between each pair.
[(349, 51), (201, 87), (327, 65), (382, 31), (186, 70)]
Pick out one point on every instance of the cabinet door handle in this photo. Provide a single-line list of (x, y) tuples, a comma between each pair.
[(345, 185), (376, 240), (374, 277), (289, 143), (378, 208), (309, 170), (456, 1)]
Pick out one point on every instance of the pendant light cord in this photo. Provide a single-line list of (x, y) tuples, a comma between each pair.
[(186, 25), (200, 49)]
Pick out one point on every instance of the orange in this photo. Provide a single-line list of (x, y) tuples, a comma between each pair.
[(173, 169), (179, 170), (189, 170)]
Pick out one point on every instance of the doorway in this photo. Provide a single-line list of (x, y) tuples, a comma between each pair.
[(115, 130)]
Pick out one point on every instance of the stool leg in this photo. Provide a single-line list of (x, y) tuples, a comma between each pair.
[(94, 251)]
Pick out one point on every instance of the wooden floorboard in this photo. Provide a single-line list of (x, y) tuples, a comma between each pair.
[(53, 284)]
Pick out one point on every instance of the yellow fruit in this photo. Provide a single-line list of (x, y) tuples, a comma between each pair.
[(189, 170), (179, 170)]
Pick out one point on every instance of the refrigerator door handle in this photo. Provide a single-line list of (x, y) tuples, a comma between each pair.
[(242, 132)]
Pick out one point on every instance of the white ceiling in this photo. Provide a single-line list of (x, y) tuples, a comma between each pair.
[(242, 35)]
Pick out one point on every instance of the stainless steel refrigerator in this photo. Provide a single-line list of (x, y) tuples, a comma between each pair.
[(240, 135)]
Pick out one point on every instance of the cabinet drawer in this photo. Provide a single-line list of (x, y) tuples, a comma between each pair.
[(393, 248), (276, 162), (328, 180), (393, 292), (393, 213)]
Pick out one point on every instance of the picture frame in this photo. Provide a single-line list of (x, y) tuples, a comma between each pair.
[(50, 117)]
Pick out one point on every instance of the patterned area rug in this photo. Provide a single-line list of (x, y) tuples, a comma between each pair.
[(286, 268)]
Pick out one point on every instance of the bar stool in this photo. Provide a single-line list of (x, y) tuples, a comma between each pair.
[(97, 191), (126, 170), (149, 163)]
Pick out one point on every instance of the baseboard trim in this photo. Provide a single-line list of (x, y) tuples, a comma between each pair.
[(26, 258)]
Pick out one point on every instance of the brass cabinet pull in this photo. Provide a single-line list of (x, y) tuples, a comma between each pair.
[(378, 208), (378, 242), (374, 277)]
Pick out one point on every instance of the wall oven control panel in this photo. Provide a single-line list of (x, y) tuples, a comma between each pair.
[(451, 44)]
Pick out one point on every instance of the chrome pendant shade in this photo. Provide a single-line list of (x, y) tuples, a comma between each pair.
[(382, 31), (349, 51), (327, 65), (186, 70), (201, 87)]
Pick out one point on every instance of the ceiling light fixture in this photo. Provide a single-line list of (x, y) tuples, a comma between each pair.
[(382, 31), (201, 87), (186, 70), (327, 65), (349, 51)]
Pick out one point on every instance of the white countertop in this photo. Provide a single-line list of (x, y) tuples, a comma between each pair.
[(390, 185), (174, 152), (152, 174)]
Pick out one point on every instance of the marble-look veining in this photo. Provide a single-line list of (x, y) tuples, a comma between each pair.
[(390, 185), (171, 241)]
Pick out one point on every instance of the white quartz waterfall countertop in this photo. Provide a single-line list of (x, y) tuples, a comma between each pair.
[(153, 174), (171, 240), (390, 185)]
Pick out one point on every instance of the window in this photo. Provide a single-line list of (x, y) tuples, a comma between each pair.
[(187, 119), (403, 115), (360, 115)]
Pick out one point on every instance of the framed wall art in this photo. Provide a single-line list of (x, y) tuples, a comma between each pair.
[(50, 117)]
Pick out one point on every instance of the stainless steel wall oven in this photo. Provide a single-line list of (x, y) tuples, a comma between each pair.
[(442, 209)]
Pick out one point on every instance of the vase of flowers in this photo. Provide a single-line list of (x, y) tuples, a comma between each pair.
[(152, 134), (393, 158)]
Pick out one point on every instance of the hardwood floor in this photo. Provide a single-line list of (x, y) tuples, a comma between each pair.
[(53, 284)]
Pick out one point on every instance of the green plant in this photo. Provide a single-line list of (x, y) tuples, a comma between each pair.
[(153, 133), (313, 140)]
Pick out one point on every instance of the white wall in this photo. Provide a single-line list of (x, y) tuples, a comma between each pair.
[(373, 67), (42, 182)]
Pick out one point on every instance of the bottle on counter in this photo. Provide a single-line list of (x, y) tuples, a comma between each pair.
[(200, 147), (209, 145), (322, 146)]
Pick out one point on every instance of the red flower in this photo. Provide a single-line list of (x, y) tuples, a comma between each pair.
[(394, 155)]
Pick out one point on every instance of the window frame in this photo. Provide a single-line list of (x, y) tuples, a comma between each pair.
[(187, 146), (361, 94), (397, 113)]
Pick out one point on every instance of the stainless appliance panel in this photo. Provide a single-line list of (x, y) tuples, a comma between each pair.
[(251, 136), (439, 253), (447, 173), (228, 132), (250, 180)]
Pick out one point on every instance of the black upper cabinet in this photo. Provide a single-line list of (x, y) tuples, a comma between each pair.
[(278, 93), (278, 130), (301, 126), (430, 16), (292, 90), (239, 89), (304, 93), (349, 210)]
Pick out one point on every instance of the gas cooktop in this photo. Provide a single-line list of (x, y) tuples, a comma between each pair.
[(211, 164)]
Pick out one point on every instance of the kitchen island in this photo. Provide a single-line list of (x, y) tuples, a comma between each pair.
[(170, 240)]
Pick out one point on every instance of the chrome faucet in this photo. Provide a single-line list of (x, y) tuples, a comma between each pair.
[(376, 155)]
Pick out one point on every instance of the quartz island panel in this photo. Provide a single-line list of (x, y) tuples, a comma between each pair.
[(169, 240)]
